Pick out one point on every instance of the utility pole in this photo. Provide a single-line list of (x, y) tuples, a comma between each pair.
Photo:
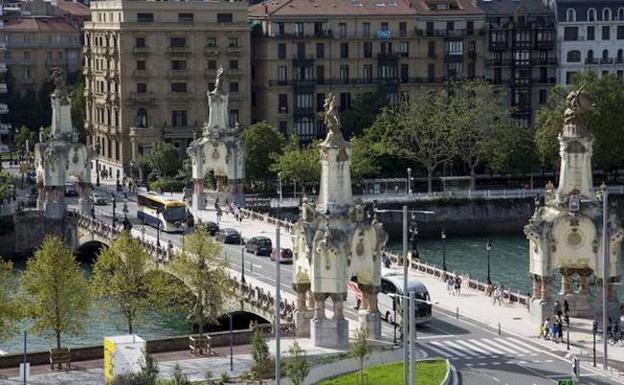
[(605, 275), (278, 258), (412, 311), (404, 309)]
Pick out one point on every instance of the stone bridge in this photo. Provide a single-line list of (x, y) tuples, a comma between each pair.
[(253, 298)]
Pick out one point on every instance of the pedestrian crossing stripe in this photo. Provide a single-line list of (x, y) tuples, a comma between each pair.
[(481, 347)]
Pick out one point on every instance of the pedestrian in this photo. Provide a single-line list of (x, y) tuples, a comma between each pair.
[(386, 260), (557, 308), (458, 282), (169, 250), (566, 307), (553, 331), (546, 328), (449, 285), (219, 215), (560, 329)]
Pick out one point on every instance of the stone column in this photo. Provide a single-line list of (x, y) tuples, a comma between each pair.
[(84, 202), (319, 305), (546, 288), (537, 286), (302, 313), (329, 333), (41, 197), (565, 281), (368, 315), (54, 205), (584, 282), (199, 197)]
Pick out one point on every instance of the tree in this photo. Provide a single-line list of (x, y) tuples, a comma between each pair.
[(359, 347), (547, 125), (5, 184), (200, 266), (79, 107), (300, 164), (259, 353), (296, 366), (121, 276), (163, 158), (363, 112), (417, 131), (57, 292), (262, 143), (481, 125), (362, 159), (9, 307), (23, 135)]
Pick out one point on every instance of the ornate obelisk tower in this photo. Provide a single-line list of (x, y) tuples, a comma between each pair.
[(565, 233)]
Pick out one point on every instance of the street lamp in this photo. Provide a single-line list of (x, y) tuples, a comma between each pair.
[(242, 260), (97, 164), (158, 234), (279, 191), (114, 207), (488, 247), (409, 180), (443, 250)]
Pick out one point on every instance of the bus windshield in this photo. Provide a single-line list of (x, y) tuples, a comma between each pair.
[(175, 214)]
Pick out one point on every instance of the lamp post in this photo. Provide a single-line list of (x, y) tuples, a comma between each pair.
[(409, 180), (97, 164), (114, 207), (488, 247), (242, 260), (443, 250), (604, 195), (158, 234), (279, 191)]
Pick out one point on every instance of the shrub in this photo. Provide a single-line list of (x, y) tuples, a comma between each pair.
[(167, 185)]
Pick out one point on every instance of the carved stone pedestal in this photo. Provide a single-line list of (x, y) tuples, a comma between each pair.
[(581, 306), (330, 333), (540, 310), (372, 323), (302, 323), (54, 206), (199, 201)]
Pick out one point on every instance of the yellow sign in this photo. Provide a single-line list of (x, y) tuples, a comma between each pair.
[(109, 360)]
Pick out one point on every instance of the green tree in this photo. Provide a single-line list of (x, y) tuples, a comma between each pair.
[(359, 348), (200, 266), (5, 184), (9, 306), (259, 353), (547, 124), (363, 112), (57, 292), (299, 164), (163, 158), (79, 107), (363, 162), (481, 125), (296, 366), (262, 143), (121, 276), (25, 134)]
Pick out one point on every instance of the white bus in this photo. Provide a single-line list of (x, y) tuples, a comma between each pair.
[(156, 210)]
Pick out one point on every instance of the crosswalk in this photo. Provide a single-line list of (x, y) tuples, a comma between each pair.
[(481, 348)]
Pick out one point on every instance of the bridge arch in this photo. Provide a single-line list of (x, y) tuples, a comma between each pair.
[(88, 251), (241, 319)]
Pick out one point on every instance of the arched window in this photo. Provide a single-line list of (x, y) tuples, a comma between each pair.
[(574, 56), (606, 14), (620, 14), (141, 118), (590, 54), (570, 15), (605, 53), (620, 55), (591, 14)]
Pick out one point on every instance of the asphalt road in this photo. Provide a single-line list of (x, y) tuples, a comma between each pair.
[(481, 356)]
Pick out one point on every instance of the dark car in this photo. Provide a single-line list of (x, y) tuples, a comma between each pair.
[(212, 228), (286, 255), (259, 246), (228, 236)]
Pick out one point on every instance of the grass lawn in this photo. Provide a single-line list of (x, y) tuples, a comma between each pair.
[(427, 373)]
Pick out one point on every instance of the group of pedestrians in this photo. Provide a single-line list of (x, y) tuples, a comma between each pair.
[(553, 329), (498, 294), (453, 284)]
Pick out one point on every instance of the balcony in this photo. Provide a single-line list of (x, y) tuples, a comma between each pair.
[(498, 45), (179, 97), (545, 44), (280, 83), (142, 98), (498, 62), (591, 61), (606, 60), (182, 132), (142, 51), (544, 61), (388, 56), (179, 50), (234, 49), (619, 60), (453, 58), (304, 111), (179, 74), (211, 51)]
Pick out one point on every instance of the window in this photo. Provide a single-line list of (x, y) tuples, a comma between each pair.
[(455, 69), (177, 42), (212, 42), (304, 128), (212, 64), (574, 56), (233, 117), (455, 47), (345, 101), (431, 72), (569, 76), (570, 15), (282, 74), (280, 29), (605, 53), (404, 49), (450, 25), (233, 42), (141, 118), (282, 103), (342, 29), (606, 14), (367, 73), (224, 18), (185, 17), (178, 65), (304, 101), (301, 51), (620, 56), (178, 87), (605, 32), (233, 64), (141, 88), (620, 14), (320, 50), (27, 74), (590, 55), (281, 51), (471, 70), (178, 119), (570, 33), (368, 49), (344, 74), (233, 86), (140, 42), (605, 73), (620, 74), (140, 65), (402, 29), (386, 48), (591, 14), (320, 74), (344, 50), (404, 73), (145, 17), (320, 101), (620, 32), (431, 49), (365, 29), (429, 28), (470, 28), (591, 32)]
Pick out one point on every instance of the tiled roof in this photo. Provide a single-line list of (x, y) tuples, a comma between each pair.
[(32, 24), (508, 7), (331, 8), (447, 7), (74, 8)]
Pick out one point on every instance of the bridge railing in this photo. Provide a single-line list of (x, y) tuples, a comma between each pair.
[(266, 218)]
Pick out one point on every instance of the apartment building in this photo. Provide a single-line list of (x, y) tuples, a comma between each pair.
[(5, 129), (591, 37), (521, 52), (34, 44), (304, 49), (148, 66)]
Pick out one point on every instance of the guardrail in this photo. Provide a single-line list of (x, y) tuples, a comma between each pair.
[(266, 218)]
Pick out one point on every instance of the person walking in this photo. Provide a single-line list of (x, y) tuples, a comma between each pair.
[(559, 329), (557, 308), (566, 307), (546, 328), (449, 285), (458, 283), (219, 215)]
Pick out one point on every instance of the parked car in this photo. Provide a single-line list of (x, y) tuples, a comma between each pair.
[(212, 228), (99, 198), (259, 246), (228, 236), (286, 255), (71, 190)]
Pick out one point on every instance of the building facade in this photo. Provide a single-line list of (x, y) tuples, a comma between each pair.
[(35, 44), (302, 50), (522, 54), (148, 66), (5, 129), (591, 37)]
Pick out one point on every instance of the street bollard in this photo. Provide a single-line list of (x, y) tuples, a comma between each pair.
[(499, 329), (457, 313)]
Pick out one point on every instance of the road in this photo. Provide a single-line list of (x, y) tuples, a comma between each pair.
[(481, 356)]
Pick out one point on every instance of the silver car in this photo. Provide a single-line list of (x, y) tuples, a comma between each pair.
[(99, 198)]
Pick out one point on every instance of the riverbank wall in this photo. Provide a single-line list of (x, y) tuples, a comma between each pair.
[(23, 232)]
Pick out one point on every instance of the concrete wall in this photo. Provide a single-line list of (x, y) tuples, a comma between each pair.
[(30, 228)]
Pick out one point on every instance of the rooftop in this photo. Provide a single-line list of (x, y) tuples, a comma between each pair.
[(324, 8), (38, 24), (74, 8), (508, 7)]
